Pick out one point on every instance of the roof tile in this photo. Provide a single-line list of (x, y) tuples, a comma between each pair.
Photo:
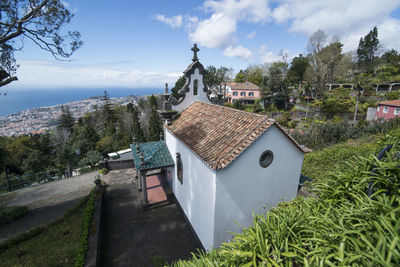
[(217, 134)]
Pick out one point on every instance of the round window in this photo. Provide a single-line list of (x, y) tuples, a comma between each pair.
[(266, 158)]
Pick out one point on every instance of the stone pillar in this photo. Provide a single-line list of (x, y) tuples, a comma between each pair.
[(144, 189)]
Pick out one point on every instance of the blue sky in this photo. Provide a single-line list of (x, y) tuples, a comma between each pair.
[(139, 44)]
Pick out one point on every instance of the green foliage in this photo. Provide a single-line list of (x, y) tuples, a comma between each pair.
[(54, 244), (238, 105), (155, 123), (178, 86), (87, 221), (367, 49), (321, 134), (12, 213), (257, 108), (297, 69), (318, 164), (393, 95), (136, 126), (91, 158), (342, 227), (215, 77), (103, 171), (66, 120), (240, 77)]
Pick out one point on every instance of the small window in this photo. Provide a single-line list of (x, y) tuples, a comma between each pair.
[(242, 93), (396, 111), (179, 167), (195, 86), (378, 109), (235, 93), (266, 158), (385, 109), (251, 94)]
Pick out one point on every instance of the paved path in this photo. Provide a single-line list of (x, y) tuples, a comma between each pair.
[(46, 203), (132, 236)]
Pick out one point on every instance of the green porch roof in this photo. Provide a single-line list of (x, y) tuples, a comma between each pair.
[(156, 155)]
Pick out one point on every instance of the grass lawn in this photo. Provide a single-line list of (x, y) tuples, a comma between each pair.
[(56, 245)]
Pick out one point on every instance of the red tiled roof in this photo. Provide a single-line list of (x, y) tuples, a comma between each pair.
[(217, 134), (243, 86), (394, 103)]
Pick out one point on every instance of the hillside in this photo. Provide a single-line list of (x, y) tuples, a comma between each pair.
[(342, 226)]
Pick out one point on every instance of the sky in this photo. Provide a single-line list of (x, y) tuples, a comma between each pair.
[(145, 44)]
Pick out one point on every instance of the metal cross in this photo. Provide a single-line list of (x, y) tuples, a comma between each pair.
[(195, 50)]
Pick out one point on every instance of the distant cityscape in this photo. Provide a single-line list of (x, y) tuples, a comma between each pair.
[(42, 119)]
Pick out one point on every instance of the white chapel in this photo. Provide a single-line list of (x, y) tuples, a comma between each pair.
[(220, 164)]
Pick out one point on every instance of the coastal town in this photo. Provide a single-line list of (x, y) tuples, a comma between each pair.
[(42, 119)]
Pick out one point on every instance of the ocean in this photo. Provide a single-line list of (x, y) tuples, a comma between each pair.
[(18, 99)]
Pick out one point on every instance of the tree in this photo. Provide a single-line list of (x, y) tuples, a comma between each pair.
[(136, 127), (91, 158), (238, 105), (278, 83), (178, 86), (367, 50), (257, 75), (240, 77), (323, 61), (155, 124), (40, 21), (66, 120), (297, 70), (109, 115)]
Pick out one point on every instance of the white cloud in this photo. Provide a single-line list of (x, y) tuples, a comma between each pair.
[(173, 22), (219, 30), (350, 20), (44, 74), (215, 32), (251, 35), (237, 51)]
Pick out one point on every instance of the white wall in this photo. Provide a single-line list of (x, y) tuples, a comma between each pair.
[(245, 187), (189, 97), (197, 193)]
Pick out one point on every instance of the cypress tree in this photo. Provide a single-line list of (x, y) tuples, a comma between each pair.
[(155, 123)]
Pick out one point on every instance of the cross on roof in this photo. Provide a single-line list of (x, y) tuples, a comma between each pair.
[(195, 50)]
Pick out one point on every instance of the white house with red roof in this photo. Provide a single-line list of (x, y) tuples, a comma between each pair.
[(387, 110), (227, 164)]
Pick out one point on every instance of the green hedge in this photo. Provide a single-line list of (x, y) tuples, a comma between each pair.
[(341, 227), (87, 217), (9, 214)]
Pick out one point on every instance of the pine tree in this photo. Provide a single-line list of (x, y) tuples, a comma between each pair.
[(109, 116), (66, 120), (367, 50), (155, 123), (136, 127)]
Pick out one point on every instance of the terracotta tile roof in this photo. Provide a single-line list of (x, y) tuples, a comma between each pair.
[(394, 103), (243, 86), (217, 134)]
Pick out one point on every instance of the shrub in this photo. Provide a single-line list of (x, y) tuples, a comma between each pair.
[(103, 171), (87, 217), (342, 227), (9, 214)]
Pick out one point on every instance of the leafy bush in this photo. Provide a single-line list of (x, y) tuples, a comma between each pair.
[(9, 214), (238, 105), (342, 227), (87, 217), (103, 171), (321, 134)]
